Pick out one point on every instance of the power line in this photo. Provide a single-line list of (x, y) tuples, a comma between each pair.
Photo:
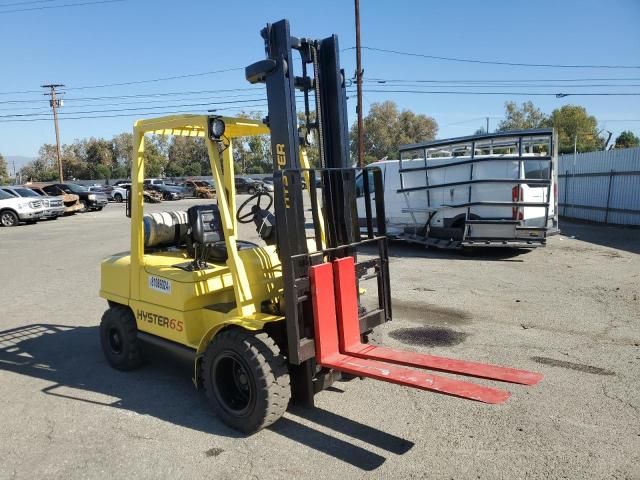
[(557, 95), (141, 95), (136, 82), (395, 83), (371, 80), (72, 105), (65, 115), (19, 92), (59, 6), (4, 5), (529, 80), (162, 79), (62, 115), (139, 114), (217, 100), (465, 121), (492, 62)]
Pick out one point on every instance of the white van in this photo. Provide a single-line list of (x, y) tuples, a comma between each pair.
[(483, 190)]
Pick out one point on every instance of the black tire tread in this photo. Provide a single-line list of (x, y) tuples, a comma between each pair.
[(272, 374), (123, 315), (15, 216)]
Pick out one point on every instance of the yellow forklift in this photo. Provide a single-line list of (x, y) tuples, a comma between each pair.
[(280, 320)]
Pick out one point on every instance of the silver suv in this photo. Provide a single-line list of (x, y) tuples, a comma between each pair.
[(14, 210), (53, 206)]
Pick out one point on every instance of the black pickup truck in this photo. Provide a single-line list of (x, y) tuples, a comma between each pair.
[(89, 200)]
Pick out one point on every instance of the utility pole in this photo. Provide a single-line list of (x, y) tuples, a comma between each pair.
[(487, 124), (359, 73), (55, 103)]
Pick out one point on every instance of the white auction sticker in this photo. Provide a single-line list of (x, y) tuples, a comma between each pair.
[(160, 284)]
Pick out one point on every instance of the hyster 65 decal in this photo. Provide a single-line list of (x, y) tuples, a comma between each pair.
[(160, 284), (160, 320)]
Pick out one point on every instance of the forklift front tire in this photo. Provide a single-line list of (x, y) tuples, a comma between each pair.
[(118, 336), (246, 379)]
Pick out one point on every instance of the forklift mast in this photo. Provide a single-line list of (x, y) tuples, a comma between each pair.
[(335, 219)]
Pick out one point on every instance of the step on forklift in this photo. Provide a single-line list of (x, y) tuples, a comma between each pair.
[(276, 322)]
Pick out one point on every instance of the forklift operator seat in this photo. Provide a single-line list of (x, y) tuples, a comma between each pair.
[(205, 224)]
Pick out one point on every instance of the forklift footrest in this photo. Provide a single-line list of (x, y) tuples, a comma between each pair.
[(328, 354), (349, 335)]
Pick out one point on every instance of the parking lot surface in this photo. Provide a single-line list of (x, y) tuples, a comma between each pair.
[(570, 311)]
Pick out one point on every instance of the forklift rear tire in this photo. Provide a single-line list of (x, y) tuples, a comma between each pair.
[(119, 339), (246, 379)]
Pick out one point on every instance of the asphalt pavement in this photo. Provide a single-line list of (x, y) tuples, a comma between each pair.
[(570, 311)]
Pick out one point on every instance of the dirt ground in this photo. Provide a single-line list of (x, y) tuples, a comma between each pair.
[(570, 311)]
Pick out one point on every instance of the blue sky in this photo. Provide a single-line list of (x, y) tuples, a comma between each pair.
[(143, 39)]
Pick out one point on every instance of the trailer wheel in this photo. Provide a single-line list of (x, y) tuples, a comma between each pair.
[(246, 379), (119, 339)]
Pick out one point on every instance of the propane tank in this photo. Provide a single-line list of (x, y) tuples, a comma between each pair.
[(165, 228)]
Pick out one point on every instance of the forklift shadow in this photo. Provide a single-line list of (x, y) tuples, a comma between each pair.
[(71, 359), (340, 449)]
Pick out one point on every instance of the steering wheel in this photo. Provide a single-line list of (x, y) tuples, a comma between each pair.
[(248, 217)]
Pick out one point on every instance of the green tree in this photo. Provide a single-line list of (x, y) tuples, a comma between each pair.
[(574, 124), (74, 160), (625, 140), (187, 156), (252, 154), (386, 128), (99, 158), (122, 146), (44, 167), (522, 117), (4, 171), (155, 159)]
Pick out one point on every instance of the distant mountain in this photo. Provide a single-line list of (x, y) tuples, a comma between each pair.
[(19, 160)]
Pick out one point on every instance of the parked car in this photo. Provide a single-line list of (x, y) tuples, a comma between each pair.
[(89, 200), (151, 196), (53, 206), (248, 185), (268, 183), (198, 188), (14, 210), (168, 193), (115, 193), (154, 181), (118, 194), (70, 201)]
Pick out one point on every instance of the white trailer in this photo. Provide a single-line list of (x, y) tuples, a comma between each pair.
[(484, 190)]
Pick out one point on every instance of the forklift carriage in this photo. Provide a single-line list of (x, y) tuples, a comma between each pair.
[(280, 321)]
